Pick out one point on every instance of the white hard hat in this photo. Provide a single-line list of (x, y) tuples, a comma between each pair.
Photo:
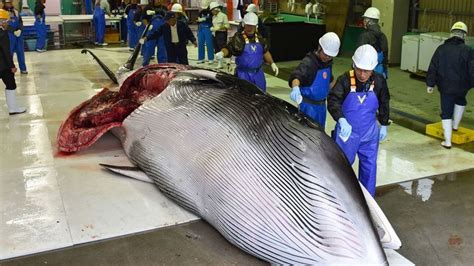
[(365, 57), (372, 12), (213, 5), (204, 4), (330, 43), (144, 2), (177, 8), (251, 19), (251, 8), (459, 26)]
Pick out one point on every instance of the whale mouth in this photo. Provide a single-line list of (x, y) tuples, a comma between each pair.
[(93, 118)]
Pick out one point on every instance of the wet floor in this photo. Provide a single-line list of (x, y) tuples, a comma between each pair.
[(433, 217)]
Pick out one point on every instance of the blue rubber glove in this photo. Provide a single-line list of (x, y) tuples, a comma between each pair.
[(383, 133), (295, 94), (346, 128)]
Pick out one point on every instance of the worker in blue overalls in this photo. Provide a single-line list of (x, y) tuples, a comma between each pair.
[(16, 39), (312, 79), (360, 98), (205, 38), (139, 14), (251, 51), (133, 38), (374, 36), (101, 7), (156, 18), (40, 26)]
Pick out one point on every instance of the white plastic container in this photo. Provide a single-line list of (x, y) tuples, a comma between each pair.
[(410, 48), (428, 44)]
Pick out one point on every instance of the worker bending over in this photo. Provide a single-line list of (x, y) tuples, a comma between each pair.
[(251, 51), (312, 79)]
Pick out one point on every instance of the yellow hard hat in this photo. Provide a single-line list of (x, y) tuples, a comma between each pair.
[(459, 26), (4, 14)]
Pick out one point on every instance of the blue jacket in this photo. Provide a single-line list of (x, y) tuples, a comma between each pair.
[(184, 34)]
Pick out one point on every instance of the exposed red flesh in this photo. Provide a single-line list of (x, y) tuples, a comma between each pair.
[(91, 119)]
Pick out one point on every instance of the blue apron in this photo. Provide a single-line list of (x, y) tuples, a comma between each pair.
[(132, 29), (99, 24), (150, 45), (205, 39), (314, 97), (40, 26), (379, 68), (249, 65), (360, 110), (16, 43)]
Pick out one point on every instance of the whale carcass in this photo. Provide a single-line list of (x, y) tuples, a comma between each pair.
[(266, 177)]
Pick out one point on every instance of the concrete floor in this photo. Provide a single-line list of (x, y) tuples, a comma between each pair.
[(441, 204), (433, 217), (196, 243), (50, 202)]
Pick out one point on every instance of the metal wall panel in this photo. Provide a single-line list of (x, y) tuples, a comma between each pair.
[(440, 15)]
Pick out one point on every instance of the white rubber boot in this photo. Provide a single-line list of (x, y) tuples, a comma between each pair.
[(457, 116), (448, 130), (13, 108)]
